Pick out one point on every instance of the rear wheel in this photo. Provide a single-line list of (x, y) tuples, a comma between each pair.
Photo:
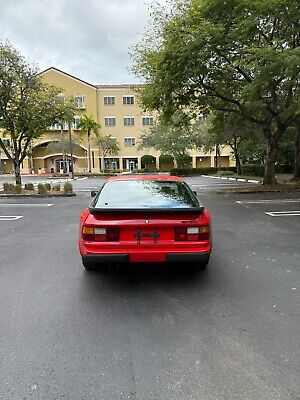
[(204, 264), (88, 265), (200, 265)]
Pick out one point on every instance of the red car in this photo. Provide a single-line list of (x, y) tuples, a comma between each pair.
[(145, 218)]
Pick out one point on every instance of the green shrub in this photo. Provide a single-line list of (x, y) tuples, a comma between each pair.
[(58, 175), (95, 174), (18, 189), (47, 187), (56, 187), (253, 169), (200, 171), (68, 188), (226, 173), (8, 187), (147, 160), (29, 186), (166, 158), (41, 188)]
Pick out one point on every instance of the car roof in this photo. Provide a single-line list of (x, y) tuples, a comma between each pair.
[(141, 177)]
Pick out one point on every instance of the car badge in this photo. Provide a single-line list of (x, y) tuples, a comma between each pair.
[(146, 221)]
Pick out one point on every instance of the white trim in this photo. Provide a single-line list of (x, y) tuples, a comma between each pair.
[(268, 201), (10, 217), (55, 155), (16, 205), (283, 213)]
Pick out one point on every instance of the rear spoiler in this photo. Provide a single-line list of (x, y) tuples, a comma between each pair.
[(95, 210)]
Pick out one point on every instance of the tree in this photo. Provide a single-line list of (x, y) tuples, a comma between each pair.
[(66, 117), (107, 145), (297, 149), (230, 130), (176, 138), (147, 160), (87, 125), (253, 150), (66, 146), (239, 57), (27, 105)]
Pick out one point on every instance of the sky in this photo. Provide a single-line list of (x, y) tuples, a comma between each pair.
[(89, 39)]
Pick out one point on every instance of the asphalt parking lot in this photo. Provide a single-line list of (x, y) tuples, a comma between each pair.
[(151, 332)]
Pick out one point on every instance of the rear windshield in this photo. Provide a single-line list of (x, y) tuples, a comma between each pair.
[(145, 194)]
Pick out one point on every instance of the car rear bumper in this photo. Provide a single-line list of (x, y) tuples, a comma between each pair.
[(201, 257)]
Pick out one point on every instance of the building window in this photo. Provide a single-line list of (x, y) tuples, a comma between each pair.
[(128, 100), (129, 141), (147, 121), (110, 121), (75, 123), (202, 117), (109, 100), (79, 102), (6, 143), (55, 127), (128, 121)]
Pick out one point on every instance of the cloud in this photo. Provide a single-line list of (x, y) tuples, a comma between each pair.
[(88, 39)]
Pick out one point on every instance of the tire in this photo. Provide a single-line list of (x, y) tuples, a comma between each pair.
[(88, 265), (204, 264)]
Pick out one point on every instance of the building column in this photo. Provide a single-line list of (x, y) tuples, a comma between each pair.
[(157, 162), (139, 163), (194, 161), (212, 160)]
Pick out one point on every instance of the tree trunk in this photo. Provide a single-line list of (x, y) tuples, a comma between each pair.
[(30, 158), (236, 154), (269, 176), (89, 153), (100, 158), (297, 153), (71, 151), (17, 173), (216, 156), (63, 148)]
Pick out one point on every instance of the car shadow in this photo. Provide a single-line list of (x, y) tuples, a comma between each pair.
[(127, 279)]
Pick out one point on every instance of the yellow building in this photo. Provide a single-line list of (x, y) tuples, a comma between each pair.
[(116, 109)]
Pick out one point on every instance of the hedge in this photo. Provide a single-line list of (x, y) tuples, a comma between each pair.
[(253, 169), (200, 171)]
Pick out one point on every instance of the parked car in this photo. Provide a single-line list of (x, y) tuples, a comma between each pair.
[(145, 218)]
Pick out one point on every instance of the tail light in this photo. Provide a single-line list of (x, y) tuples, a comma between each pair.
[(92, 234), (191, 233)]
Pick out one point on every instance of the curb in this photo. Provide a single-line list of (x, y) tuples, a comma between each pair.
[(43, 196), (240, 191), (231, 179)]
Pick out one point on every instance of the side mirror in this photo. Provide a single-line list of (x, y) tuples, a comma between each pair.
[(93, 193), (195, 193)]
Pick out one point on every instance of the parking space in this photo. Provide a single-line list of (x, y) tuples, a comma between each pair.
[(150, 332), (275, 207)]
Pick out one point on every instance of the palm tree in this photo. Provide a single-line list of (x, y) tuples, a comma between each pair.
[(107, 146), (87, 124)]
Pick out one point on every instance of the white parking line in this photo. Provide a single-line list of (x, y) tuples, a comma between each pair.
[(10, 217), (25, 205), (283, 213), (268, 201)]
